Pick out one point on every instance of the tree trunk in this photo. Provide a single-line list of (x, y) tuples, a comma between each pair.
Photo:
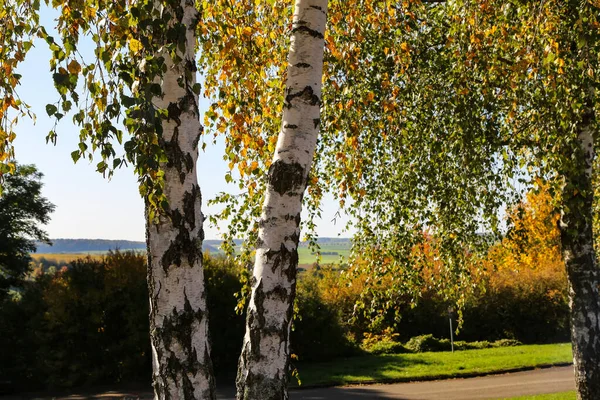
[(182, 367), (264, 362), (580, 261)]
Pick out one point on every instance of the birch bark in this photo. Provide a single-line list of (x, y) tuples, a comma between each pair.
[(582, 269), (264, 361), (181, 361)]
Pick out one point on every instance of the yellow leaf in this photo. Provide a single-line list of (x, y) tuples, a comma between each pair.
[(135, 46), (74, 67)]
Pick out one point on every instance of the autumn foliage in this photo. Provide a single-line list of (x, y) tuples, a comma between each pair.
[(516, 289), (87, 322), (525, 291), (529, 255)]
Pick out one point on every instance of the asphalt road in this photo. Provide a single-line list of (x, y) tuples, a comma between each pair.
[(540, 381)]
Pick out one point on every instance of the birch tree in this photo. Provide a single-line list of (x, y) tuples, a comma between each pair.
[(178, 311), (495, 93), (263, 366), (143, 70)]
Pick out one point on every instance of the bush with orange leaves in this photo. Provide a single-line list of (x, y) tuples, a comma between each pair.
[(525, 291), (517, 289)]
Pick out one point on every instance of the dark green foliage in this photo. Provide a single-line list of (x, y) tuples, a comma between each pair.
[(318, 332), (22, 210), (533, 317), (537, 316), (85, 324), (423, 343), (88, 324), (226, 326)]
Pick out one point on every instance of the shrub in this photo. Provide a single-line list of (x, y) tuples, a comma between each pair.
[(424, 343), (385, 346), (506, 343), (223, 281), (318, 332), (86, 324)]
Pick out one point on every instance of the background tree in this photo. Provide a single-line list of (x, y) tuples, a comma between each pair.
[(22, 210)]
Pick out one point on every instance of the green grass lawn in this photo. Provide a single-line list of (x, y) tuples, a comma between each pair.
[(552, 396), (407, 367)]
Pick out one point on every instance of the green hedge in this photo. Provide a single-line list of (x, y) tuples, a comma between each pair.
[(83, 325), (88, 323)]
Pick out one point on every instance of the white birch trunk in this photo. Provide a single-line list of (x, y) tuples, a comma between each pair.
[(182, 367), (264, 362), (582, 269)]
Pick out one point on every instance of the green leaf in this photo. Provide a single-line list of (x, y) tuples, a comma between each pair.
[(196, 88), (51, 109), (75, 155)]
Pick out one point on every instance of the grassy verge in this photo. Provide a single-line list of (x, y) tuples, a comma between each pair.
[(424, 366), (552, 396)]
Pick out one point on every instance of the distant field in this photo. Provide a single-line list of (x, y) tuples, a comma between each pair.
[(327, 253), (331, 253), (63, 258)]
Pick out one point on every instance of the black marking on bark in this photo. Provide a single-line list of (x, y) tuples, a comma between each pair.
[(286, 177), (177, 331), (307, 95), (302, 28), (187, 103), (317, 122), (190, 65), (302, 65), (317, 8), (189, 206), (279, 293), (189, 162), (285, 259), (290, 126), (295, 218), (175, 156), (184, 245), (174, 113), (256, 321)]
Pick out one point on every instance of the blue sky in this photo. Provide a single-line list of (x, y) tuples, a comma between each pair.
[(88, 205)]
